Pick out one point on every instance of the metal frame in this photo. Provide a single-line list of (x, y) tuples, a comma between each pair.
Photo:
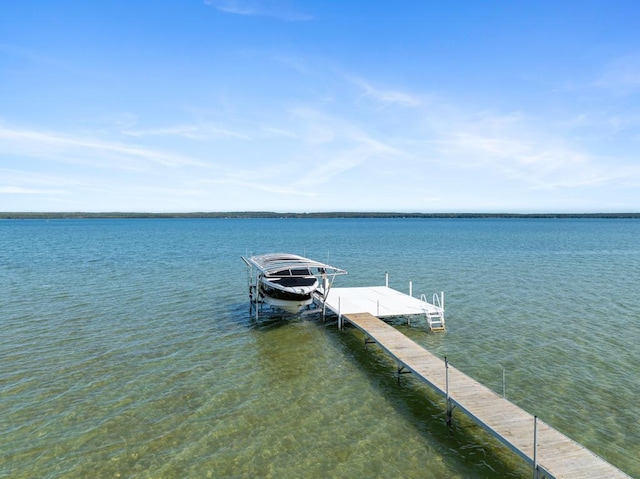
[(261, 265)]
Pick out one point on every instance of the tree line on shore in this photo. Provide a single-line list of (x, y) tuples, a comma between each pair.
[(270, 214)]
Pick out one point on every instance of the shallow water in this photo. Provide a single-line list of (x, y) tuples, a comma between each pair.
[(128, 349)]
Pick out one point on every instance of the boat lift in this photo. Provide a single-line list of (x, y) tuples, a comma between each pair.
[(261, 265)]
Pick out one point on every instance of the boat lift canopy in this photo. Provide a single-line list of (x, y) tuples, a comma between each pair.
[(275, 262)]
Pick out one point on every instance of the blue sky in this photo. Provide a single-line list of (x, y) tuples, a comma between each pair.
[(307, 105)]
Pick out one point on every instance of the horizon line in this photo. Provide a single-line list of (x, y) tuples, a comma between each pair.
[(325, 214)]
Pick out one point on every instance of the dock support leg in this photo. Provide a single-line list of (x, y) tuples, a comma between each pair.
[(401, 370), (368, 340)]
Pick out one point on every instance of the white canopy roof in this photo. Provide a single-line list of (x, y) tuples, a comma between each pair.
[(273, 262)]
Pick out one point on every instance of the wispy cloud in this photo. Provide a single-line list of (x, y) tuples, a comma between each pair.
[(621, 76), (28, 182), (519, 151), (339, 162), (262, 185), (279, 132), (19, 190), (46, 143), (386, 96), (278, 9), (335, 144), (194, 132)]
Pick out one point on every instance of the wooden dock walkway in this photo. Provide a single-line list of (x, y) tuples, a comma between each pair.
[(556, 455)]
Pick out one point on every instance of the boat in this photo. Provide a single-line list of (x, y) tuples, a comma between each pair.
[(288, 282)]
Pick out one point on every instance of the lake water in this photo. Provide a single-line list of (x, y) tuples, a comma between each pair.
[(128, 349)]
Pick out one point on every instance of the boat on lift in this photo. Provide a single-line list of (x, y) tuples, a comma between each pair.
[(287, 281)]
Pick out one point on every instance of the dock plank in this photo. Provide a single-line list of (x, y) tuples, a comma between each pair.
[(558, 456)]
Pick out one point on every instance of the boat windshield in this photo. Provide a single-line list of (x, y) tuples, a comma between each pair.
[(294, 281)]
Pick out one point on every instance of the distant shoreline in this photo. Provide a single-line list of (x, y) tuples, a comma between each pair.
[(269, 214)]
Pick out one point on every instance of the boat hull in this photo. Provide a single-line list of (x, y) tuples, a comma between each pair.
[(288, 298), (288, 305)]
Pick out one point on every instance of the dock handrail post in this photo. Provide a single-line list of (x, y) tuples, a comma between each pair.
[(386, 279), (411, 288), (535, 447), (446, 369), (504, 384)]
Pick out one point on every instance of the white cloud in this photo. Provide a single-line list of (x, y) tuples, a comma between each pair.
[(19, 190), (417, 151), (19, 184), (279, 132), (194, 132), (521, 151), (86, 150), (387, 97)]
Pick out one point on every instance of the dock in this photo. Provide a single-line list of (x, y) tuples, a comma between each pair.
[(550, 453), (384, 302)]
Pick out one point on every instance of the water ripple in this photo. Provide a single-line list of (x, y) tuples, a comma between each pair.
[(128, 349)]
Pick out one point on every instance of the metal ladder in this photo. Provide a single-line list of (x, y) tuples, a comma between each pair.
[(435, 317)]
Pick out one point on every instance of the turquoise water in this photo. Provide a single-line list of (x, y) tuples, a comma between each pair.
[(127, 348)]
